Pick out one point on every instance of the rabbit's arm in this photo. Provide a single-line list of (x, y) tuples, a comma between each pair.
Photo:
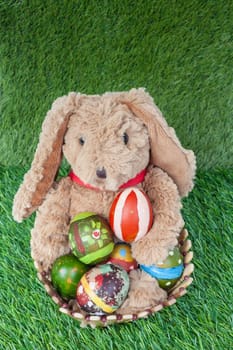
[(50, 233), (168, 222)]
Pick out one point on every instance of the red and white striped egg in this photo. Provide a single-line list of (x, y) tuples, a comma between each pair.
[(131, 215)]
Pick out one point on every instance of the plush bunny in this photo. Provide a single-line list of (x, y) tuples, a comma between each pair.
[(109, 140)]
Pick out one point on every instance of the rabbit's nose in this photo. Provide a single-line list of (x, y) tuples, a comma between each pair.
[(101, 173)]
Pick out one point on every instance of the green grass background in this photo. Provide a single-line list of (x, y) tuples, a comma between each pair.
[(182, 52)]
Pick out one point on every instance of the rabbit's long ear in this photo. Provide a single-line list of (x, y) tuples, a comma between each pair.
[(40, 177), (166, 150)]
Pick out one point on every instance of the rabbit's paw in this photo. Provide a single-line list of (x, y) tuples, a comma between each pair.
[(149, 251)]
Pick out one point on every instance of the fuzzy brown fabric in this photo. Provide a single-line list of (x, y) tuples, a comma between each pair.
[(90, 132), (144, 293)]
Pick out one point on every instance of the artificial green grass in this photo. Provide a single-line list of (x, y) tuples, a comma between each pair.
[(181, 51), (202, 319)]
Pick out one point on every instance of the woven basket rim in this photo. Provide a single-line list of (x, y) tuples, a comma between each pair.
[(175, 293)]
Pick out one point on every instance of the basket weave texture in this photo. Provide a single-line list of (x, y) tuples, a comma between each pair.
[(71, 309)]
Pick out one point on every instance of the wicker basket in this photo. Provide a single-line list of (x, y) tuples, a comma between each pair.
[(176, 292)]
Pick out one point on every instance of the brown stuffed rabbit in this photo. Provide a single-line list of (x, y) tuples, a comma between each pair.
[(108, 140)]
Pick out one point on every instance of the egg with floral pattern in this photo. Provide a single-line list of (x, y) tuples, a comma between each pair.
[(90, 238), (103, 289)]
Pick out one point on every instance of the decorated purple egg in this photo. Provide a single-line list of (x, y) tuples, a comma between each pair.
[(90, 238), (103, 289)]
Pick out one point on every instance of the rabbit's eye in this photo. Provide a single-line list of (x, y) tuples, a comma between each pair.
[(81, 141), (125, 138)]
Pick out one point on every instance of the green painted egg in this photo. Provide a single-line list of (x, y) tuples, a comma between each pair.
[(167, 272), (90, 238), (66, 273)]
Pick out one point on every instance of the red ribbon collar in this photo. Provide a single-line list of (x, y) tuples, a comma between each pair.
[(132, 182)]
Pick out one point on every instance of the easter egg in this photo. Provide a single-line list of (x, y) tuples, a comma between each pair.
[(131, 215), (122, 256), (66, 272), (90, 238), (167, 272), (103, 289)]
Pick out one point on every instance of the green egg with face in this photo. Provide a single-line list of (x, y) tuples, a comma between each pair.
[(66, 273), (90, 238)]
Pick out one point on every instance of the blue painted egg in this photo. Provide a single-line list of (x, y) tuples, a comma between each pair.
[(169, 271)]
